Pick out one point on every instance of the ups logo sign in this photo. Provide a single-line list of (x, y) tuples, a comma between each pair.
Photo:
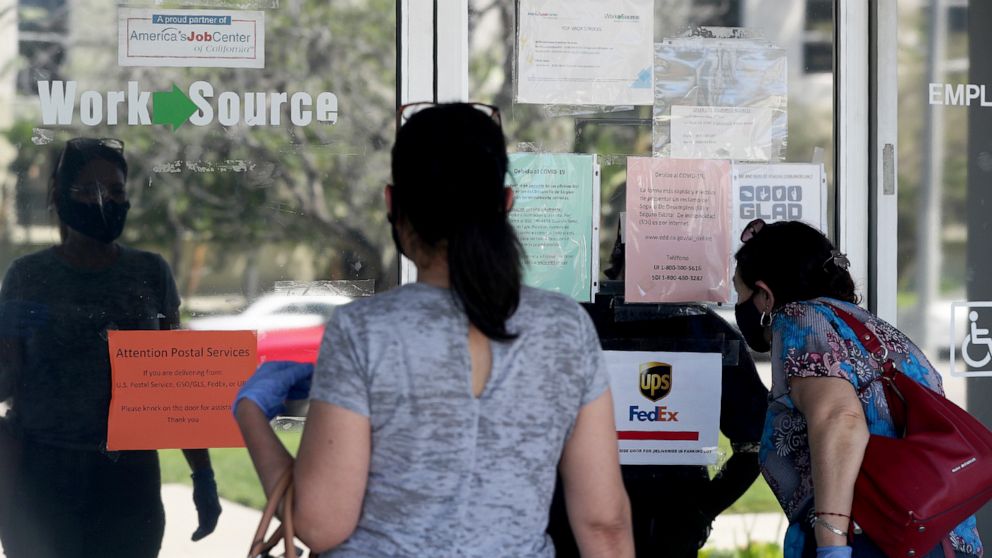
[(656, 380)]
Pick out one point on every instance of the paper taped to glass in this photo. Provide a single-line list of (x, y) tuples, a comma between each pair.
[(779, 192), (585, 52), (720, 94), (678, 230), (666, 406), (555, 213)]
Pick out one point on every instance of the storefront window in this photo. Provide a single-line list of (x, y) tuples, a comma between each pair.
[(233, 207), (255, 139)]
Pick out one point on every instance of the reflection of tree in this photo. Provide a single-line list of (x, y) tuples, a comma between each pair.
[(492, 28), (238, 190), (913, 147), (42, 27)]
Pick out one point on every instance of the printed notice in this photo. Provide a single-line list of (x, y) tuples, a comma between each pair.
[(173, 389), (585, 52), (678, 230), (779, 192), (743, 133), (667, 406), (191, 38), (553, 214), (720, 93)]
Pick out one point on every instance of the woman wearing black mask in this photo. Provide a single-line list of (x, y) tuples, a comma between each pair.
[(65, 494), (824, 399)]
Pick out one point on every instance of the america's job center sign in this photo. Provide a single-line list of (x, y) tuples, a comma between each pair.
[(191, 38)]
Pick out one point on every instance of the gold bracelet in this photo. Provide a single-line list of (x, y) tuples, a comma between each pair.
[(829, 527)]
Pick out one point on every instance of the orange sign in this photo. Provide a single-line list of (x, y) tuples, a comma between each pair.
[(174, 389)]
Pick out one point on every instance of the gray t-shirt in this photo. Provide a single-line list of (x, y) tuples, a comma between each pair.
[(451, 474), (61, 387)]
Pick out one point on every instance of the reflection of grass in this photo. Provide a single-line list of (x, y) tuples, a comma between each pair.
[(236, 480), (906, 299), (752, 550), (758, 498)]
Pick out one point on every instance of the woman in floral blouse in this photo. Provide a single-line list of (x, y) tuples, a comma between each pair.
[(789, 277)]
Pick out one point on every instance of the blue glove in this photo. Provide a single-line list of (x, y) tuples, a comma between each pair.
[(206, 501), (275, 382), (21, 318), (833, 552)]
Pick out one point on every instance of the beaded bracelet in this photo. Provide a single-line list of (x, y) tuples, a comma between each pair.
[(831, 513)]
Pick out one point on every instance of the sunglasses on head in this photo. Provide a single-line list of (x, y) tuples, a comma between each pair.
[(406, 111), (77, 144), (110, 143), (751, 229)]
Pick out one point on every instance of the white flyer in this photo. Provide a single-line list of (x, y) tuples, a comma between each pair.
[(191, 38), (720, 93), (585, 52), (778, 192), (667, 406), (742, 133)]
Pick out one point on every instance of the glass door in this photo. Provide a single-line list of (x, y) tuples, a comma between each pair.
[(942, 265), (803, 66)]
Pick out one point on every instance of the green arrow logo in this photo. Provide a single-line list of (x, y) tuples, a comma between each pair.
[(171, 107)]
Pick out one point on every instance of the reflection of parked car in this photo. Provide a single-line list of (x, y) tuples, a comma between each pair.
[(289, 327), (298, 344)]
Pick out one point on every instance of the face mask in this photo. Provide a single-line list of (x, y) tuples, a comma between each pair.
[(101, 222), (749, 320)]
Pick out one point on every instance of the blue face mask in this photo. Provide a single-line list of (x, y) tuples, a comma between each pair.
[(749, 320), (103, 222)]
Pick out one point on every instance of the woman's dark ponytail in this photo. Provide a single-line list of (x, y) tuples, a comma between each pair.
[(484, 266), (449, 172)]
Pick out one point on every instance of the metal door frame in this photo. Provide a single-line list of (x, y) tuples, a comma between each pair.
[(882, 226), (432, 61)]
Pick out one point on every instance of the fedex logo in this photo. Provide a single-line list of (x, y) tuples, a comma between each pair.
[(659, 414)]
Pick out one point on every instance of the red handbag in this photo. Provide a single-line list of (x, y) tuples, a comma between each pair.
[(912, 491)]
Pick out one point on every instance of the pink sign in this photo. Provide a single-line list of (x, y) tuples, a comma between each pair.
[(678, 230)]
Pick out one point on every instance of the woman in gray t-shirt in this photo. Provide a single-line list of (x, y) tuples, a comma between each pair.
[(441, 410)]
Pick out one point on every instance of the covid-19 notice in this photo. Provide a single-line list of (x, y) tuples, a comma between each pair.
[(678, 230)]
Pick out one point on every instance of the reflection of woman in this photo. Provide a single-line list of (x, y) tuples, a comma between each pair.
[(790, 280), (69, 496), (440, 410)]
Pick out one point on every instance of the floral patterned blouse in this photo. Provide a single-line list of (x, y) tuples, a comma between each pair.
[(808, 339)]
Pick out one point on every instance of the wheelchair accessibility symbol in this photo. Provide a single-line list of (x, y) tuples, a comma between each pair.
[(975, 350)]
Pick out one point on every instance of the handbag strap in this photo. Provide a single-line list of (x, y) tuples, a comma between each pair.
[(865, 335), (282, 493), (889, 370)]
